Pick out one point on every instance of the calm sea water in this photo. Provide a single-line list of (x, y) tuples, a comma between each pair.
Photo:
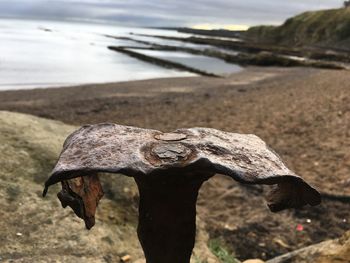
[(48, 54)]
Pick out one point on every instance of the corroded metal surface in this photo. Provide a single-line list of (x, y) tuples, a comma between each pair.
[(82, 194), (143, 152), (169, 169)]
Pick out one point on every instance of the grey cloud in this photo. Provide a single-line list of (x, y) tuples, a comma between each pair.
[(165, 12)]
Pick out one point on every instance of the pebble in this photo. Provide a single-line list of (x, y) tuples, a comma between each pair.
[(125, 258)]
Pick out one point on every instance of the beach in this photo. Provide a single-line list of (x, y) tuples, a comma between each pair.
[(295, 110), (277, 70), (302, 113)]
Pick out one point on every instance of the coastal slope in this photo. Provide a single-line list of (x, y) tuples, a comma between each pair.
[(327, 28)]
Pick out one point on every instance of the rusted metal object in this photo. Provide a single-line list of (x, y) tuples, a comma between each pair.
[(169, 169)]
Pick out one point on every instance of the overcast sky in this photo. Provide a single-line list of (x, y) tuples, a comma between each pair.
[(165, 12)]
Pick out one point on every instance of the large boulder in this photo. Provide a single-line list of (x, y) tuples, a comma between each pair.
[(34, 229)]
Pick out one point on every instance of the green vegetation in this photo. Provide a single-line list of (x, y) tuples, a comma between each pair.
[(326, 27), (218, 248)]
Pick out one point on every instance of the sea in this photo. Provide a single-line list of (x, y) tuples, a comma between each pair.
[(43, 54)]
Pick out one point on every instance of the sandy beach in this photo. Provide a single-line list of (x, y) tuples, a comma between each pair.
[(302, 113)]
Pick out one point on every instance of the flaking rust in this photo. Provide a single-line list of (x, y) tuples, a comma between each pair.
[(82, 194)]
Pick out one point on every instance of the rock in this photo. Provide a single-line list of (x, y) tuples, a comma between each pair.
[(29, 147), (337, 250)]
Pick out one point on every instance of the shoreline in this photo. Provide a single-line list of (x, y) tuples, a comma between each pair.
[(245, 76), (128, 49), (73, 85)]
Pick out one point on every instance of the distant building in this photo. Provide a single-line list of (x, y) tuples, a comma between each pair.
[(347, 3)]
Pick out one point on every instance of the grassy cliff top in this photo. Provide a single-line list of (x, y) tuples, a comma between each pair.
[(325, 27)]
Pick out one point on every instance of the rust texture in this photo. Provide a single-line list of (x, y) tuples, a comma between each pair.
[(82, 194), (169, 169)]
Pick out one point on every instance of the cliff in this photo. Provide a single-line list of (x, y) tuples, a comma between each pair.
[(327, 28)]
